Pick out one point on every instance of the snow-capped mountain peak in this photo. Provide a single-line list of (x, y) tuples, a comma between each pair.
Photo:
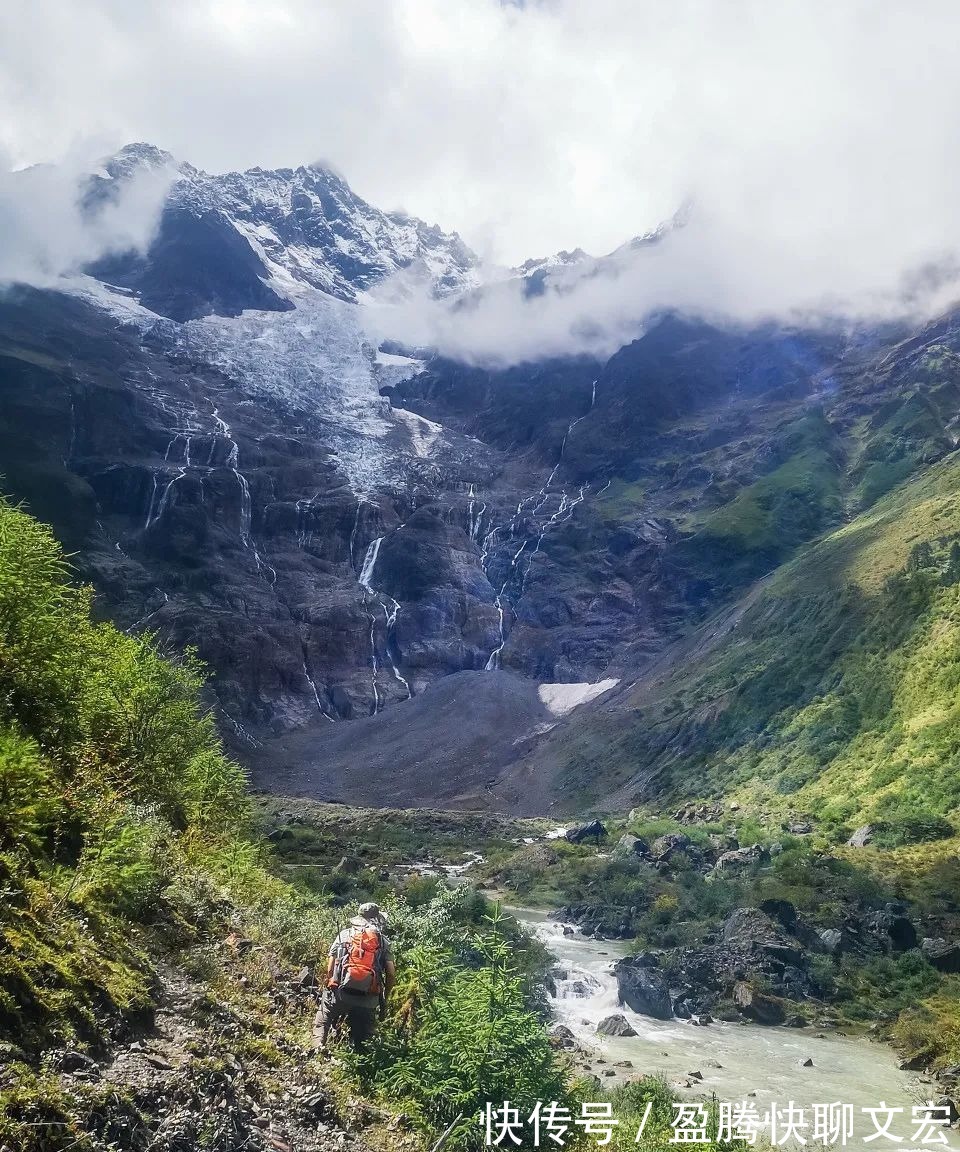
[(239, 240)]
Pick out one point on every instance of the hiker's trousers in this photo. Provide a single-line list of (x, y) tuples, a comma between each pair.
[(359, 1009)]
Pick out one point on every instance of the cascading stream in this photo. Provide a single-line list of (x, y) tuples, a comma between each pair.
[(313, 686), (736, 1061), (391, 609), (183, 438), (539, 499)]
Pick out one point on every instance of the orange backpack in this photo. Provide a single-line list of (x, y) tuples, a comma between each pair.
[(359, 962)]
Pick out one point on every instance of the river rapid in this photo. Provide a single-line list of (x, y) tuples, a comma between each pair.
[(736, 1061)]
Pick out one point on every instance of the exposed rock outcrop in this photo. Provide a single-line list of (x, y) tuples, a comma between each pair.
[(642, 989), (617, 1025), (592, 830)]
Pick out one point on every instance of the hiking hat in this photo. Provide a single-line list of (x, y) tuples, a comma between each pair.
[(371, 913)]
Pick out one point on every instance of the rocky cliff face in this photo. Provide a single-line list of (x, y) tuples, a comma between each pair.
[(244, 240), (337, 529)]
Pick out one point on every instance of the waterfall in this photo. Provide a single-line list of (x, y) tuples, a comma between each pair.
[(157, 508), (246, 507), (241, 731), (353, 534), (391, 620), (369, 563), (373, 663), (316, 694), (493, 661), (304, 533), (391, 609), (153, 496), (150, 615)]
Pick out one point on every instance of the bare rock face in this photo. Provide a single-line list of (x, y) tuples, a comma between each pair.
[(742, 857), (339, 528), (942, 954), (642, 989), (757, 1006), (891, 928), (862, 837), (832, 940), (666, 846), (594, 830), (750, 930), (629, 845)]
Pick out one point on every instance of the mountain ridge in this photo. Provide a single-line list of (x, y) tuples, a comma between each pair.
[(338, 528)]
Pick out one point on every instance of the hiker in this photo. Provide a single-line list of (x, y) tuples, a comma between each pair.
[(360, 974)]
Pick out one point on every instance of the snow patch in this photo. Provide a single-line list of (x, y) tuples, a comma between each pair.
[(395, 361), (424, 433), (560, 699)]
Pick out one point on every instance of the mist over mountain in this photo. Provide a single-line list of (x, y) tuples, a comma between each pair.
[(381, 484), (497, 462)]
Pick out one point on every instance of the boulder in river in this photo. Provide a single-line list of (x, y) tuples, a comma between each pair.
[(757, 1006), (642, 989), (616, 1025), (915, 1063), (945, 1106), (562, 1037)]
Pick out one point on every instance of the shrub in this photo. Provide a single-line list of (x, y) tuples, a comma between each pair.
[(462, 1033), (931, 1030), (110, 768)]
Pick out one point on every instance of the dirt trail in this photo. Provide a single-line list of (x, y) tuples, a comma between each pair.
[(212, 1073)]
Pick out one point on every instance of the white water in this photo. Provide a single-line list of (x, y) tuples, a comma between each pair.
[(493, 662), (369, 563), (751, 1058), (539, 499), (391, 608), (316, 694), (354, 530), (192, 425)]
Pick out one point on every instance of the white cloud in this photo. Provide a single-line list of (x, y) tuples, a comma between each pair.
[(817, 139), (48, 232)]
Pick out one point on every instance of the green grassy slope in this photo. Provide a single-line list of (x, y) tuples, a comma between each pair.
[(128, 862), (834, 691)]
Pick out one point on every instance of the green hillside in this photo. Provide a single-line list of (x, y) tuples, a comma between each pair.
[(833, 688), (137, 909)]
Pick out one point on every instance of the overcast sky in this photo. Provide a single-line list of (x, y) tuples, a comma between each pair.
[(816, 139), (527, 127)]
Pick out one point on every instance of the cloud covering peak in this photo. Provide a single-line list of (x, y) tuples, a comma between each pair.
[(816, 140), (56, 218)]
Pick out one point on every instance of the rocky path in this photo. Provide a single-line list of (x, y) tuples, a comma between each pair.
[(211, 1074)]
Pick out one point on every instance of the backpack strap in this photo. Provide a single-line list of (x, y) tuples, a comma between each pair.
[(341, 951)]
